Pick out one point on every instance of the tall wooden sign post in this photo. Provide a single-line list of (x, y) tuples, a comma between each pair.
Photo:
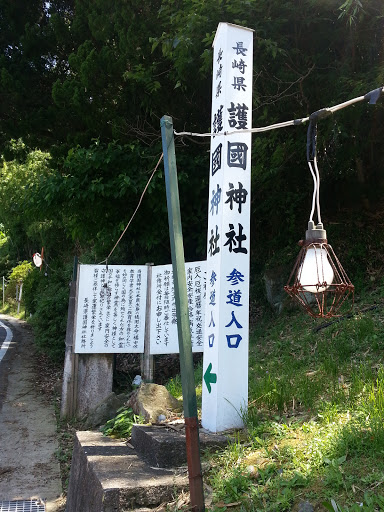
[(225, 370)]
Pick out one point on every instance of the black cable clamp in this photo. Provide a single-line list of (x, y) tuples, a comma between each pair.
[(320, 114)]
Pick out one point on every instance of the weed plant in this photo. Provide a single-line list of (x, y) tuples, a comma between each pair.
[(121, 425)]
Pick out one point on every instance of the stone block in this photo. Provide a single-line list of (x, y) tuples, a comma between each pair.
[(163, 447)]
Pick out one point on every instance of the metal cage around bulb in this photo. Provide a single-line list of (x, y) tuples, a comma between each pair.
[(318, 281)]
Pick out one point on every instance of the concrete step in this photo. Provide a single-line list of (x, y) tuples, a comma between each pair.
[(163, 446), (108, 476)]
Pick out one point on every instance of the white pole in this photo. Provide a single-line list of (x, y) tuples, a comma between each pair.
[(225, 367), (19, 299)]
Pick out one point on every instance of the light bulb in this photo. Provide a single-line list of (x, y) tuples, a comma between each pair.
[(315, 269)]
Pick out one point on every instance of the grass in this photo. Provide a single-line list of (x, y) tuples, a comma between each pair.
[(314, 429), (174, 385), (10, 308)]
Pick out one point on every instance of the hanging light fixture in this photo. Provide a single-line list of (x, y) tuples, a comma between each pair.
[(318, 281)]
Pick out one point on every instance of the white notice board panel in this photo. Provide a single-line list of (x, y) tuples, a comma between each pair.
[(111, 309), (164, 337)]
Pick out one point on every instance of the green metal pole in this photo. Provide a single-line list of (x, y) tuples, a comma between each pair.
[(183, 326)]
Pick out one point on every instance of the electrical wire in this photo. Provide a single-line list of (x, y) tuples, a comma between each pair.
[(134, 213), (249, 130), (294, 122), (346, 104), (314, 191), (311, 159), (317, 191)]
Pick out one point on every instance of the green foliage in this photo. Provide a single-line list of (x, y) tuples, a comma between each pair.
[(351, 10), (121, 425), (95, 191), (18, 211), (102, 185), (18, 275), (5, 261), (30, 290), (30, 59), (47, 298), (20, 272), (175, 388)]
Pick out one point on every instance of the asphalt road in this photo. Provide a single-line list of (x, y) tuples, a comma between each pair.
[(28, 439), (4, 364)]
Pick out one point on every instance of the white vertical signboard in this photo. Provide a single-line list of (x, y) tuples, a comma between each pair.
[(225, 368), (111, 305), (164, 336)]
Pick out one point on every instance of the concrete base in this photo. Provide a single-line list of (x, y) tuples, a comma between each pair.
[(87, 381), (108, 476), (164, 447), (94, 381)]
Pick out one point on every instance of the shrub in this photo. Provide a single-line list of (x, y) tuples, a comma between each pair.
[(47, 299)]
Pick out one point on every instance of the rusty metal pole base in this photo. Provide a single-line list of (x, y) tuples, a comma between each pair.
[(194, 465)]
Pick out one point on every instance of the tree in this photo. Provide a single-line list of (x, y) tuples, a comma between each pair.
[(79, 71), (31, 59), (26, 225)]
